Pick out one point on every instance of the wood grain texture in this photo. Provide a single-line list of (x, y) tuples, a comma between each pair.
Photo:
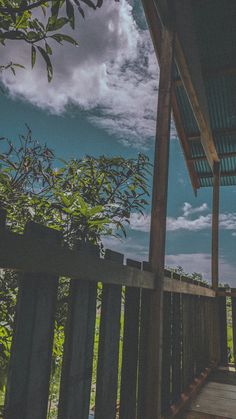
[(30, 364), (128, 399), (78, 351), (36, 256), (108, 352)]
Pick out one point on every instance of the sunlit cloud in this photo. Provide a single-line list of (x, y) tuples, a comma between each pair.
[(187, 220), (113, 74)]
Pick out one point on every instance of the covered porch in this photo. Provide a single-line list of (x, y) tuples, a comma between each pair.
[(162, 339)]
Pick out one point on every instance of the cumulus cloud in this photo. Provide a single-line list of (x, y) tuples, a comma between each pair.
[(188, 209), (186, 221), (113, 74)]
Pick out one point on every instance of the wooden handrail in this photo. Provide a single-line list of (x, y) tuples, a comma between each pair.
[(36, 255)]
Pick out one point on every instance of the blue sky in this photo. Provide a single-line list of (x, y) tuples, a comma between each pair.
[(102, 100)]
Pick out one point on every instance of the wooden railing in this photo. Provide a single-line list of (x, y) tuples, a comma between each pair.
[(227, 323), (189, 340)]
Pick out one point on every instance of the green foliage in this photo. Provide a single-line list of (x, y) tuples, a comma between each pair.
[(38, 23), (8, 285), (84, 198)]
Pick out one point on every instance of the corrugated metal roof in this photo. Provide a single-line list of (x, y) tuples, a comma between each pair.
[(215, 27)]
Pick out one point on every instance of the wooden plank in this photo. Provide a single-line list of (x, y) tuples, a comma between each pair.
[(187, 342), (175, 286), (233, 300), (215, 407), (108, 352), (78, 351), (128, 399), (30, 364), (215, 227), (158, 230), (212, 394), (166, 357), (223, 330), (143, 359), (176, 348), (229, 388), (34, 256)]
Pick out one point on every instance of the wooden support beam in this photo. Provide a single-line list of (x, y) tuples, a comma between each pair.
[(219, 131), (215, 227), (155, 26), (152, 397), (188, 63), (213, 73)]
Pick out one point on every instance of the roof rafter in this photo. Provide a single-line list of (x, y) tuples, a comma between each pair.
[(189, 66)]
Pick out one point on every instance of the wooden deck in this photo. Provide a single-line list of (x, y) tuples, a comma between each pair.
[(217, 399)]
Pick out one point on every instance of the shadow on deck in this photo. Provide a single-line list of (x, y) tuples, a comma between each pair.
[(217, 399)]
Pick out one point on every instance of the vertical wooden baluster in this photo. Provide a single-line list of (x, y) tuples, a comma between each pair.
[(176, 348), (108, 353), (128, 399), (223, 329), (78, 349), (143, 360), (30, 364), (166, 357), (233, 299)]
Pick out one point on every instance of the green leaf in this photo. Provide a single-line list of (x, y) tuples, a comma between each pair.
[(70, 13), (48, 48), (62, 37), (48, 62), (33, 56)]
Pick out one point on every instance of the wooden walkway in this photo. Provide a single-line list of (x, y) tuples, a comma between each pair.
[(217, 399)]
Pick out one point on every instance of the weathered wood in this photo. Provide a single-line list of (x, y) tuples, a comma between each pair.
[(128, 399), (233, 299), (30, 364), (175, 286), (187, 342), (223, 330), (34, 256), (215, 227), (158, 230), (166, 357), (176, 348), (143, 359), (108, 352), (78, 351)]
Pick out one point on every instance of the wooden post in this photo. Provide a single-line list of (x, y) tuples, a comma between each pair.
[(215, 227), (152, 397)]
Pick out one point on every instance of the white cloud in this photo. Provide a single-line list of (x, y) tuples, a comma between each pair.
[(112, 73), (185, 221), (188, 209)]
